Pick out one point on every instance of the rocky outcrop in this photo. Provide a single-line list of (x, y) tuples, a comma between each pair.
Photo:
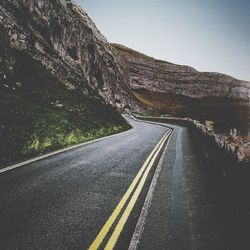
[(60, 35), (182, 91), (56, 68), (60, 82), (159, 76)]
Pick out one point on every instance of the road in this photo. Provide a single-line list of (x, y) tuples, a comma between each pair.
[(186, 211), (64, 201)]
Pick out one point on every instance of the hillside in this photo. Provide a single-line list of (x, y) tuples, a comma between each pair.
[(180, 90), (60, 83), (148, 73)]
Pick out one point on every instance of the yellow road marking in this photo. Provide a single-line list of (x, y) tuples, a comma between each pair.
[(104, 231), (118, 229)]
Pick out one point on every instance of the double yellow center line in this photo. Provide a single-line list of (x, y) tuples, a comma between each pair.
[(141, 178)]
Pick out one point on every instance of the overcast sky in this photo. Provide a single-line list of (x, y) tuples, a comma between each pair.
[(210, 35)]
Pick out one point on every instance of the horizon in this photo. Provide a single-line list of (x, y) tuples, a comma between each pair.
[(190, 30)]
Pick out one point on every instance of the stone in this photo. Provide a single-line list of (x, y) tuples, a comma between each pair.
[(160, 76), (53, 34)]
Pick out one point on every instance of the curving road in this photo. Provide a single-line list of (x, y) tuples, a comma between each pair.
[(63, 201), (67, 201)]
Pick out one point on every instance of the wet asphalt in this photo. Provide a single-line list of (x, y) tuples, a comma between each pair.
[(186, 212), (63, 201)]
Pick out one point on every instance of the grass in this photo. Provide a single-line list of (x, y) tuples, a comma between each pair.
[(39, 145), (39, 114)]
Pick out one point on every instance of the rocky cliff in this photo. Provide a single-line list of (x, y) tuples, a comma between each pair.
[(61, 36), (160, 76), (60, 82), (182, 91)]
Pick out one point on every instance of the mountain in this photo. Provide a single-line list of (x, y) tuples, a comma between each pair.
[(180, 90), (148, 73), (60, 82), (62, 37)]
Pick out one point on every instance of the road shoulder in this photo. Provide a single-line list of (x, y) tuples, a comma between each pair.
[(184, 212)]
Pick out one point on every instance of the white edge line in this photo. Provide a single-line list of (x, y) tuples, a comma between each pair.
[(147, 203), (20, 164)]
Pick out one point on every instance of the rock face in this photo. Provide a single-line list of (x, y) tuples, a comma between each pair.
[(63, 82), (60, 82), (182, 91), (61, 36), (159, 76)]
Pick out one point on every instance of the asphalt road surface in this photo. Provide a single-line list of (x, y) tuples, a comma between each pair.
[(64, 201), (186, 211)]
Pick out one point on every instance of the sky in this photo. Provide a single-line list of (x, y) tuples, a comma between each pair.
[(209, 35)]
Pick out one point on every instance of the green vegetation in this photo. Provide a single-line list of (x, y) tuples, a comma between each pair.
[(40, 114), (59, 138)]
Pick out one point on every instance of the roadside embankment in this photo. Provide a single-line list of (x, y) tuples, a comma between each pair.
[(227, 164), (233, 146), (227, 158)]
